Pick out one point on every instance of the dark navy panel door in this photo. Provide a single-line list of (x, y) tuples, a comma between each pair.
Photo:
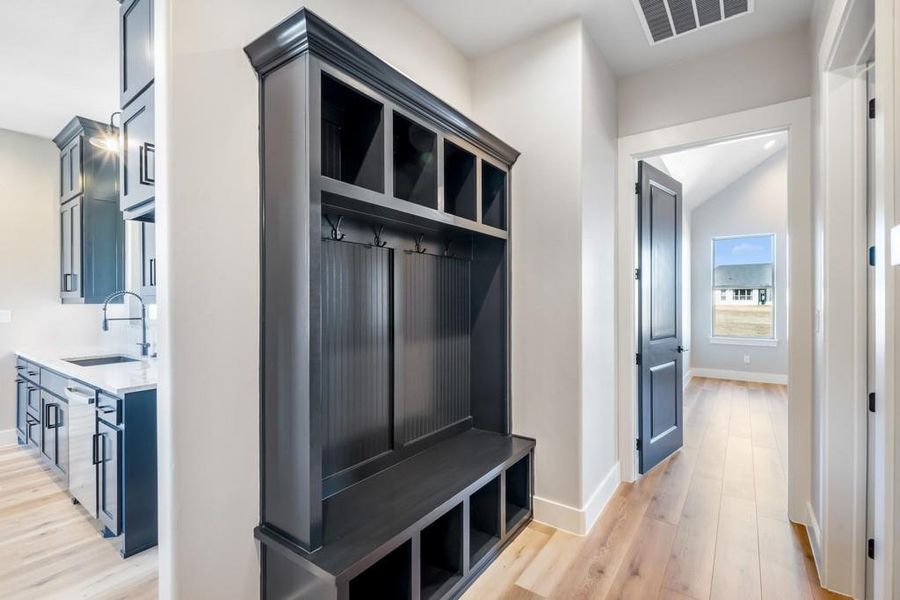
[(661, 428)]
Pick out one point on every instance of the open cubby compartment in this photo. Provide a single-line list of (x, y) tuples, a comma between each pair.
[(441, 557), (352, 135), (484, 520), (493, 195), (460, 188), (415, 162), (390, 577), (518, 492)]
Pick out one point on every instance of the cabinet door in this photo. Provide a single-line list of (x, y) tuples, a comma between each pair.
[(136, 47), (106, 449), (21, 411), (71, 182), (48, 435), (148, 261), (33, 399), (137, 164), (70, 249), (33, 430), (61, 427)]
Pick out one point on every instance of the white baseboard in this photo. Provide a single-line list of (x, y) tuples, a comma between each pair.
[(578, 520), (687, 378), (8, 437), (740, 375)]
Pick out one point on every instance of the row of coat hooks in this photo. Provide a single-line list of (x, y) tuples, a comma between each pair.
[(379, 241)]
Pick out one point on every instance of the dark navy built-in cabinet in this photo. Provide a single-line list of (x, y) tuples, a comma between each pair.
[(389, 468), (91, 231)]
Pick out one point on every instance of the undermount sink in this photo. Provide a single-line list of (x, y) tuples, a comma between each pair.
[(101, 360)]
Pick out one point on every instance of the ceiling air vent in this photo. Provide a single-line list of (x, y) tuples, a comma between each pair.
[(665, 19)]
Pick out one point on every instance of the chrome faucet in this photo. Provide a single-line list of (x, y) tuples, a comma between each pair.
[(145, 347)]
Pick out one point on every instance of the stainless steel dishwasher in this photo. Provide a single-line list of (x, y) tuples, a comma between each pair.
[(82, 452)]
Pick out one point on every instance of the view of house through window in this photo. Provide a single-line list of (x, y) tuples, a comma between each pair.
[(744, 287)]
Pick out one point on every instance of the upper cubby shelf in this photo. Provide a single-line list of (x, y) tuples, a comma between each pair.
[(352, 136), (415, 162), (493, 196), (460, 192)]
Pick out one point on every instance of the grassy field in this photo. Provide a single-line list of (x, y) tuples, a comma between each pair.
[(743, 321)]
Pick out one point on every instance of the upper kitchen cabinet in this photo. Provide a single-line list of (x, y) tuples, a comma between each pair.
[(137, 175), (136, 48), (92, 233), (148, 262)]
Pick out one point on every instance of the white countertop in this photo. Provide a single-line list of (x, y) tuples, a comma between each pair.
[(118, 378)]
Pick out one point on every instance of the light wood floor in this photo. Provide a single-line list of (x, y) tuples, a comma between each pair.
[(48, 547), (710, 522)]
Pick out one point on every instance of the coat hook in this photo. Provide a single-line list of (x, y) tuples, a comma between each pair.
[(379, 243), (419, 247), (447, 247), (336, 233)]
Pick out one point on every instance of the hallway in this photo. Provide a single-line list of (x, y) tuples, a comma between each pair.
[(710, 522)]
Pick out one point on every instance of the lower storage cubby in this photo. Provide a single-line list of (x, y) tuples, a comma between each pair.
[(441, 554), (389, 578), (484, 521), (518, 494)]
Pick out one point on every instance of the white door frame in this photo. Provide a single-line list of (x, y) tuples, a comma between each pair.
[(794, 118)]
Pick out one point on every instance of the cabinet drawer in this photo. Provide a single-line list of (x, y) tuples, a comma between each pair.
[(53, 383), (109, 408), (29, 371)]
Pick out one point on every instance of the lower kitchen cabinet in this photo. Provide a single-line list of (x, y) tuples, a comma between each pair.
[(54, 434), (100, 446), (21, 411), (107, 446)]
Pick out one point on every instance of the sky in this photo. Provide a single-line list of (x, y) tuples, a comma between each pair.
[(750, 250)]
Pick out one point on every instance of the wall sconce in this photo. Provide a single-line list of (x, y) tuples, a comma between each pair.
[(108, 141)]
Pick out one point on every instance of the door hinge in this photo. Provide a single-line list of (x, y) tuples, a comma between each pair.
[(637, 273), (871, 108), (870, 548), (871, 256), (637, 444), (637, 189), (637, 359), (871, 401)]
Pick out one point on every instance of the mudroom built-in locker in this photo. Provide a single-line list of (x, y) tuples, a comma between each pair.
[(387, 458)]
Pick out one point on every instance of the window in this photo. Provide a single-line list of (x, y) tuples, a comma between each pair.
[(743, 287)]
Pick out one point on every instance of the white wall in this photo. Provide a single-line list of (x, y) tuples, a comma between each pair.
[(535, 105), (600, 465), (750, 75), (208, 206), (558, 108), (754, 204), (29, 265)]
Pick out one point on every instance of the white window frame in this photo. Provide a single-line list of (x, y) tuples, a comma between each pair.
[(735, 340)]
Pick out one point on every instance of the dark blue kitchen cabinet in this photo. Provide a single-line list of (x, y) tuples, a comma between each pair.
[(137, 172), (92, 234), (54, 434), (21, 411), (107, 446), (148, 262), (70, 173), (135, 48)]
